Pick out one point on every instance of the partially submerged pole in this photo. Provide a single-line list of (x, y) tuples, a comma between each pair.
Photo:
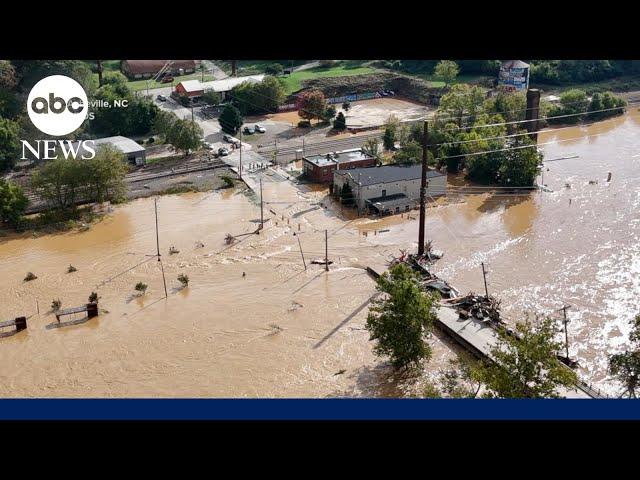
[(423, 189), (261, 207), (484, 276), (566, 335), (164, 280), (326, 250)]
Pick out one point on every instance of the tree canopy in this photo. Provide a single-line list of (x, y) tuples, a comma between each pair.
[(401, 320), (230, 119), (312, 104), (185, 135), (447, 71), (625, 366), (13, 202)]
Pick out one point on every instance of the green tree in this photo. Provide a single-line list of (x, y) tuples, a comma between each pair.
[(211, 97), (389, 139), (9, 143), (572, 102), (258, 97), (411, 154), (274, 69), (230, 119), (330, 113), (60, 182), (32, 71), (13, 202), (114, 78), (185, 135), (447, 71), (526, 366), (340, 123), (520, 166), (163, 122), (8, 75), (625, 366), (136, 119), (372, 148), (402, 319), (106, 174), (311, 104), (462, 101)]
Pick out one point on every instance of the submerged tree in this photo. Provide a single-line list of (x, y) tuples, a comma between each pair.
[(401, 321), (525, 365), (625, 367)]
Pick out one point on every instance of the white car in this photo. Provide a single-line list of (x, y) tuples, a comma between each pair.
[(207, 145), (259, 128)]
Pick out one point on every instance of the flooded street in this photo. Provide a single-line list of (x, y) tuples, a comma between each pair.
[(283, 331)]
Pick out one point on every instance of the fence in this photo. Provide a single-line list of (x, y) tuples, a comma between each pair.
[(354, 97)]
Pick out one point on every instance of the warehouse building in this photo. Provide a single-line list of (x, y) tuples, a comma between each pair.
[(133, 151), (138, 69), (388, 189), (320, 168), (196, 88)]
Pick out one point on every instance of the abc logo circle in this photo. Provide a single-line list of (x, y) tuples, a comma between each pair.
[(57, 105)]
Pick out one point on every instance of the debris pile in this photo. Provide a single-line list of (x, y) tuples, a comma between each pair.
[(483, 308)]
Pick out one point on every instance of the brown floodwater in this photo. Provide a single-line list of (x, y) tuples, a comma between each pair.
[(282, 331)]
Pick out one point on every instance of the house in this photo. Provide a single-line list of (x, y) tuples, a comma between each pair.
[(190, 88), (390, 188), (134, 152), (137, 69), (320, 168)]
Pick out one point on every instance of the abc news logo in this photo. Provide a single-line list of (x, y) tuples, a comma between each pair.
[(57, 105)]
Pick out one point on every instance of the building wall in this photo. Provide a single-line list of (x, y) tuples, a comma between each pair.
[(411, 188), (324, 174)]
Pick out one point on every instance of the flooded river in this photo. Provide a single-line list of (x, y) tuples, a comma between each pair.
[(253, 322)]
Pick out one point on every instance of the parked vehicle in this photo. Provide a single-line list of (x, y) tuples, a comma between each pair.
[(230, 139), (259, 128), (391, 92), (162, 98), (383, 93), (207, 145), (248, 131), (223, 151), (166, 79)]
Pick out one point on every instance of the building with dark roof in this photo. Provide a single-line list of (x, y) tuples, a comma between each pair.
[(390, 188), (148, 68), (320, 168)]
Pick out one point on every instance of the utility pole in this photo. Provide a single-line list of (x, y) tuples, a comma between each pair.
[(303, 145), (423, 188), (240, 170), (234, 64), (484, 276), (164, 280), (302, 254), (533, 113), (566, 335), (261, 207), (275, 158), (326, 250), (192, 113)]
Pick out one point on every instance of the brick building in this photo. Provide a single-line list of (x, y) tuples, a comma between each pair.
[(320, 168)]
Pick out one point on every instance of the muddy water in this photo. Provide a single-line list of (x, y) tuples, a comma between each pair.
[(283, 331), (577, 245)]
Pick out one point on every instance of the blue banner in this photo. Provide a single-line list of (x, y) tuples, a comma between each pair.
[(316, 409)]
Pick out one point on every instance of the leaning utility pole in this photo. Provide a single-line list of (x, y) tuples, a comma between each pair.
[(423, 188), (533, 113), (301, 254), (240, 169)]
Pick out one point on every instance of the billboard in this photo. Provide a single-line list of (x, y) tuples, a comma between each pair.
[(513, 79)]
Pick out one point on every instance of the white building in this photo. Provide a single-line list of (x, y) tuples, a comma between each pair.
[(133, 151), (390, 188)]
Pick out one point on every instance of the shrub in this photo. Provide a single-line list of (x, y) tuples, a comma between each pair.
[(340, 123), (304, 124), (228, 181), (327, 63), (141, 287), (56, 305), (183, 279), (274, 69), (93, 298), (71, 269), (30, 276)]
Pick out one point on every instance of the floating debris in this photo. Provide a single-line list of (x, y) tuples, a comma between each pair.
[(339, 372), (295, 306), (71, 269), (173, 250), (30, 276), (478, 306), (229, 239)]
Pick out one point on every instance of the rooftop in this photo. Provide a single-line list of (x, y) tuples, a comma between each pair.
[(124, 144), (153, 66), (192, 85), (228, 83), (344, 156), (387, 174), (514, 64)]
